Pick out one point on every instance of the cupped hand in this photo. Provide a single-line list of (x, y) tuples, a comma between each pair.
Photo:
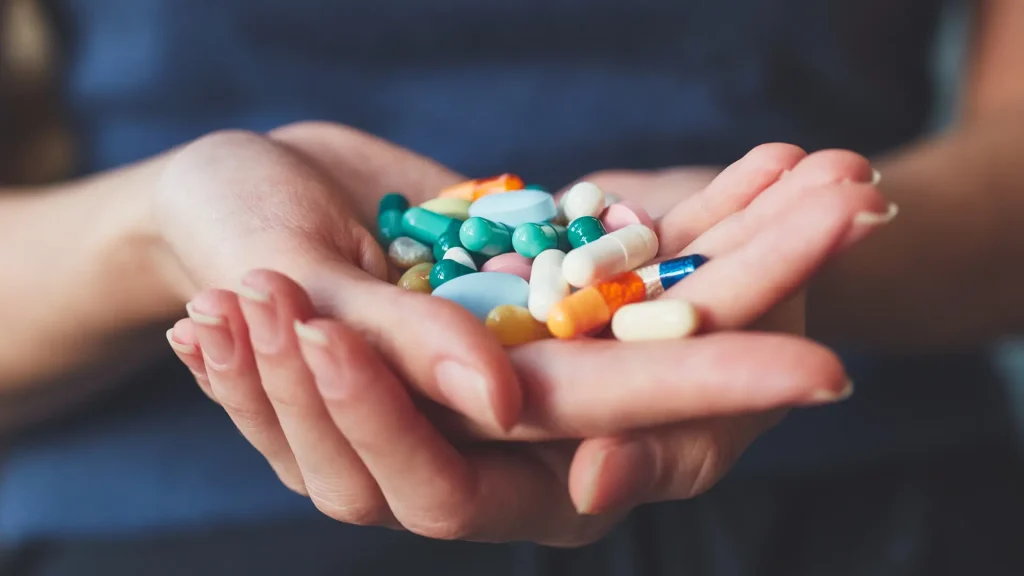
[(339, 426)]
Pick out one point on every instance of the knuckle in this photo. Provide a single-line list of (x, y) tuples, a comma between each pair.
[(247, 417), (775, 156), (839, 165), (345, 505), (305, 128), (439, 525)]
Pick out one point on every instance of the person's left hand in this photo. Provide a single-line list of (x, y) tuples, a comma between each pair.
[(648, 440)]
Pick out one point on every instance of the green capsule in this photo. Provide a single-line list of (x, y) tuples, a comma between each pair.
[(584, 230), (445, 242), (446, 270), (393, 201), (389, 218), (426, 226), (532, 238), (485, 237)]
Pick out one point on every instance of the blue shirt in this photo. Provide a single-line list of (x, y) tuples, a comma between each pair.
[(550, 89)]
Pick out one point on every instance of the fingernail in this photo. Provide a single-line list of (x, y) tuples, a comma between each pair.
[(214, 335), (261, 315), (623, 476), (187, 349), (465, 389), (830, 396), (310, 334), (876, 177), (875, 218)]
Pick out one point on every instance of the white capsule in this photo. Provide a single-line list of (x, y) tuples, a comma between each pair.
[(406, 252), (610, 198), (547, 284), (583, 199), (460, 255), (611, 254), (663, 319)]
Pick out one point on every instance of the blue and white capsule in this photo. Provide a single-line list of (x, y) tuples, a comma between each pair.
[(664, 275)]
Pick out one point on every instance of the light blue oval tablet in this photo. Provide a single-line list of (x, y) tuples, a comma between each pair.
[(484, 291), (515, 208)]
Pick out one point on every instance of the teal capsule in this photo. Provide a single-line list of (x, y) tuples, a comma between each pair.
[(446, 270), (450, 239), (389, 217), (426, 226), (532, 238), (485, 237), (584, 230), (536, 187)]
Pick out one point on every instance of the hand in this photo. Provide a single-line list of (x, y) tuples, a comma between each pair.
[(403, 471)]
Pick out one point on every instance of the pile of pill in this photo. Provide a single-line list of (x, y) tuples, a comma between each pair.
[(533, 268)]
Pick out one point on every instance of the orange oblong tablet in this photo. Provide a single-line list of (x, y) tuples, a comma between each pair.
[(475, 189)]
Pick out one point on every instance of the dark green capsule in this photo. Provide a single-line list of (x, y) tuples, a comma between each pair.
[(446, 270), (485, 237), (426, 226), (389, 218), (532, 238), (584, 230), (449, 240), (393, 201)]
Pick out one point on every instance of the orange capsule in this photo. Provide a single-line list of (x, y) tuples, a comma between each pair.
[(475, 189), (592, 308)]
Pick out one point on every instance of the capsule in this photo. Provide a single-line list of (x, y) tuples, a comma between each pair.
[(532, 238), (583, 199), (485, 237), (475, 189), (610, 255), (661, 276), (462, 256), (513, 325), (445, 242), (664, 319), (405, 252), (447, 270), (389, 217), (417, 278), (426, 226), (584, 230), (547, 285)]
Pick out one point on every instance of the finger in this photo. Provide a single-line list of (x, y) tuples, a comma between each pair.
[(334, 476), (812, 175), (736, 288), (185, 345), (433, 490), (730, 192), (672, 463), (234, 380)]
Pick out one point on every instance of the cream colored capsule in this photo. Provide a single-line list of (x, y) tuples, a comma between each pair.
[(583, 199), (609, 255), (460, 255), (547, 284), (457, 208), (662, 319)]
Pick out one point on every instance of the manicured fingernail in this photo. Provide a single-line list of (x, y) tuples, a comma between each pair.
[(831, 396), (214, 336), (310, 334), (623, 476), (187, 349), (876, 177), (261, 315), (876, 218), (466, 390)]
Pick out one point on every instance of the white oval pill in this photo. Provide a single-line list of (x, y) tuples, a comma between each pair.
[(515, 208), (664, 319), (583, 199), (484, 291), (609, 255), (547, 284), (460, 255), (405, 252)]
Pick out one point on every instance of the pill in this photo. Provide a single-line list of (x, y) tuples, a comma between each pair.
[(609, 255), (535, 187), (405, 252), (462, 256), (513, 326), (417, 278), (389, 217), (475, 189), (664, 275), (510, 263), (457, 208), (622, 214), (480, 293), (584, 230), (515, 208), (547, 285), (446, 271), (486, 237), (426, 226), (445, 242), (663, 319), (531, 239), (583, 199)]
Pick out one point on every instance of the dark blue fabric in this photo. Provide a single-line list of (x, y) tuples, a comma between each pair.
[(551, 89)]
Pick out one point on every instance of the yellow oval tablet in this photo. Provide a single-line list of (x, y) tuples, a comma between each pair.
[(457, 208), (417, 278), (514, 325)]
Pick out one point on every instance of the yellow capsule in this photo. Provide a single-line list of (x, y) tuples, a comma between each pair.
[(417, 278), (457, 208), (514, 325)]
